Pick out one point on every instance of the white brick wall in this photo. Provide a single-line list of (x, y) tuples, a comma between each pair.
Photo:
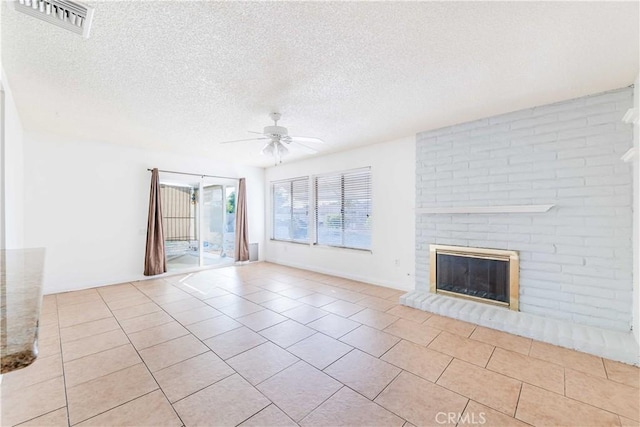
[(576, 259)]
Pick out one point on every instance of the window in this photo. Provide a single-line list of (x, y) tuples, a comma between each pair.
[(343, 209), (291, 210)]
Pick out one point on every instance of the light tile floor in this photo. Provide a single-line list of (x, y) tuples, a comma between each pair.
[(267, 345)]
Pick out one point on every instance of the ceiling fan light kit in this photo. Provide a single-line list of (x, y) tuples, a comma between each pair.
[(279, 138), (275, 149)]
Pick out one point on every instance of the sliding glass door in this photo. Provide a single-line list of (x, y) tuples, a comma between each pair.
[(180, 224), (198, 222), (215, 239)]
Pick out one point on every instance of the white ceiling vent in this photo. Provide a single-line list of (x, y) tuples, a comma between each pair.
[(70, 15)]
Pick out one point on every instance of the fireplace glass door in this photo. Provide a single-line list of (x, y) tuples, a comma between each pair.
[(473, 276)]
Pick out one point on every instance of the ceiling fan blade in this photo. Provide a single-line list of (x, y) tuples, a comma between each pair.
[(305, 148), (307, 139), (240, 140), (253, 131)]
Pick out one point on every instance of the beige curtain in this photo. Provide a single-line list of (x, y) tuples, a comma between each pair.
[(154, 259), (242, 230)]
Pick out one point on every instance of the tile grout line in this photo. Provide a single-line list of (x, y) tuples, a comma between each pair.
[(321, 403), (46, 413), (270, 376), (140, 330), (581, 402), (64, 377), (529, 347), (93, 354), (383, 407), (270, 403), (376, 403), (207, 386), (515, 410), (81, 338), (387, 386), (606, 371), (519, 379), (466, 405), (391, 348), (444, 370), (489, 359), (117, 406), (334, 362)]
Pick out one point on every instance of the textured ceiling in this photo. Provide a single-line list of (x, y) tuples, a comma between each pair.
[(184, 75)]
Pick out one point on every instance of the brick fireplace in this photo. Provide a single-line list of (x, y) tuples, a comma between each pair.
[(547, 183)]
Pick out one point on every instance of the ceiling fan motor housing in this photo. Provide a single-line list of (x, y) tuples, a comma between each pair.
[(275, 130)]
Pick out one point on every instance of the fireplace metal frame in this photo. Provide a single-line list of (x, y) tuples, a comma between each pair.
[(496, 254)]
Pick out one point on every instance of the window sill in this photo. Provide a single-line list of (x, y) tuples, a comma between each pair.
[(290, 241), (342, 248), (328, 247)]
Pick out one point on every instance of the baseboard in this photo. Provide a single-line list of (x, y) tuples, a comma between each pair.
[(330, 272), (127, 279), (140, 277)]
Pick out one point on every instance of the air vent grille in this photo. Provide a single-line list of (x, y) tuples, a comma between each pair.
[(69, 15)]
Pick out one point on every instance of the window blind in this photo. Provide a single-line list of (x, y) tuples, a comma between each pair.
[(343, 209), (290, 206)]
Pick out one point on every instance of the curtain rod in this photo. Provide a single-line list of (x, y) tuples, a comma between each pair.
[(195, 174)]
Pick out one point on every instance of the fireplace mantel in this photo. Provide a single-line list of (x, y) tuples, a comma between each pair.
[(484, 209)]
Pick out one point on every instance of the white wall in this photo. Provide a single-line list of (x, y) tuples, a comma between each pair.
[(636, 215), (391, 261), (86, 202), (12, 169), (2, 162)]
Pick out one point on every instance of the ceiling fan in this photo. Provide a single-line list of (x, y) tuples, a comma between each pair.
[(277, 139)]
